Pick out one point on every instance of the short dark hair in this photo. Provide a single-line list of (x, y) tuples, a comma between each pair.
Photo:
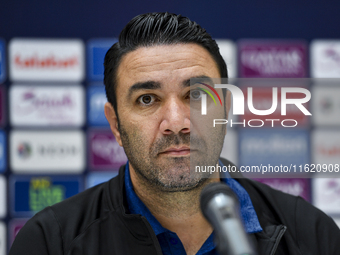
[(152, 29)]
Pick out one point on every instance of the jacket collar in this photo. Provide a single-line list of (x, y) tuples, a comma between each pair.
[(266, 241)]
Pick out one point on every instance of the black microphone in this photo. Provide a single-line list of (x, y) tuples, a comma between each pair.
[(220, 206)]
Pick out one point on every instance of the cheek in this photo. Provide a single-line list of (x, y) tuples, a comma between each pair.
[(139, 130), (144, 125)]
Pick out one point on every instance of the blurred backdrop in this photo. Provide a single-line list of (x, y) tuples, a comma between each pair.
[(54, 138)]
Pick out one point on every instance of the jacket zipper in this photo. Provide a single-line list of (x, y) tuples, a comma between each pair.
[(153, 236), (278, 239)]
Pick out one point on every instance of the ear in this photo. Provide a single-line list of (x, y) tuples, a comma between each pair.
[(111, 117), (227, 102)]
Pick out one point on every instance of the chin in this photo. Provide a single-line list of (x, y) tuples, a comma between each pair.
[(182, 185)]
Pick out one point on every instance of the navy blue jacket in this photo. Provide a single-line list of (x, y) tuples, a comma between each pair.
[(97, 222)]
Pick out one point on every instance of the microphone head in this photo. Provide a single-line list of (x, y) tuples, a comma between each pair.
[(212, 190), (220, 207)]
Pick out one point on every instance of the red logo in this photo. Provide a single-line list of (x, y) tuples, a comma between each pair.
[(46, 62), (332, 151)]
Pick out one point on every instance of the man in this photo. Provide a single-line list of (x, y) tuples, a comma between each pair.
[(152, 206)]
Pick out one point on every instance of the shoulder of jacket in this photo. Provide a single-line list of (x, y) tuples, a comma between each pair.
[(75, 214)]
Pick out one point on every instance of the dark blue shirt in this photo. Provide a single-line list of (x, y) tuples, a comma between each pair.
[(168, 240)]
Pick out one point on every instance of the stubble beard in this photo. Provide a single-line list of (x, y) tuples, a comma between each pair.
[(163, 173)]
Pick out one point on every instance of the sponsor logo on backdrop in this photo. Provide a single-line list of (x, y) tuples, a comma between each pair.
[(3, 196), (276, 59), (3, 239), (24, 150), (96, 99), (44, 106), (2, 106), (297, 187), (32, 194), (325, 59), (228, 52), (326, 105), (326, 146), (274, 147), (14, 227), (94, 179), (105, 152), (96, 50), (3, 154), (2, 61), (42, 194), (50, 62), (46, 60), (47, 151), (326, 194)]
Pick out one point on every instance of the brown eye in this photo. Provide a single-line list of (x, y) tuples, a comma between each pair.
[(146, 99), (195, 94)]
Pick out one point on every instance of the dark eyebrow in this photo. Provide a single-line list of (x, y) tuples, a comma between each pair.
[(144, 85), (199, 79), (157, 85)]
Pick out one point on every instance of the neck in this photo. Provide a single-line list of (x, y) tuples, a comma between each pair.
[(177, 211)]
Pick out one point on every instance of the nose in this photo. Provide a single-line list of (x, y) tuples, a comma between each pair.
[(175, 117)]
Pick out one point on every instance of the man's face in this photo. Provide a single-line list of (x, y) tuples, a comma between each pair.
[(153, 104)]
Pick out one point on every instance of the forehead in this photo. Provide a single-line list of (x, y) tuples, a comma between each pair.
[(165, 63)]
